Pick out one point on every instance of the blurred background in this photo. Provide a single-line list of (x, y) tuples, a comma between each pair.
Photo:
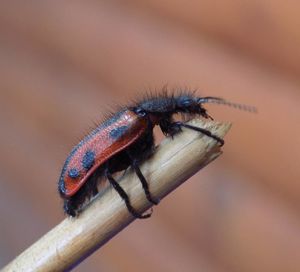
[(64, 63)]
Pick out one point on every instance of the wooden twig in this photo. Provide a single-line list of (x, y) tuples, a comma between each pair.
[(71, 241)]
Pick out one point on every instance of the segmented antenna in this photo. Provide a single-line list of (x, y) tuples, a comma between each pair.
[(218, 100)]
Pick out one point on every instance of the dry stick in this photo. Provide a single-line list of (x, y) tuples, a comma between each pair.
[(70, 242)]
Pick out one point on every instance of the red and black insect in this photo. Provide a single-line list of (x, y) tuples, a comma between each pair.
[(126, 139)]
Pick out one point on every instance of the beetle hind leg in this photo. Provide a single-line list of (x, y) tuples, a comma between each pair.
[(73, 206), (70, 208)]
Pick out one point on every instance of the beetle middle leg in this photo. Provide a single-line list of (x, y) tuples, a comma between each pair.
[(137, 170), (124, 195)]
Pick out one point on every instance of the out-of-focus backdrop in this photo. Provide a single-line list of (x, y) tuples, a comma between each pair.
[(64, 63)]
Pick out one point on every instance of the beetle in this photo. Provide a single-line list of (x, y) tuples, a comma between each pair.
[(125, 139)]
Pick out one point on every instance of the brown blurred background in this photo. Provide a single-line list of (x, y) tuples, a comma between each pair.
[(64, 63)]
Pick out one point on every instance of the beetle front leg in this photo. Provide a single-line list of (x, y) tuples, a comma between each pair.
[(169, 127), (176, 126)]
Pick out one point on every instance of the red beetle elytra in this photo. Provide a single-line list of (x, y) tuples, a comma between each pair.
[(126, 139)]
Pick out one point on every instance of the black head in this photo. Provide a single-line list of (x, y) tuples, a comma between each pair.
[(188, 103)]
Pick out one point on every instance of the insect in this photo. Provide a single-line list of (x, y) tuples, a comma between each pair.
[(123, 140)]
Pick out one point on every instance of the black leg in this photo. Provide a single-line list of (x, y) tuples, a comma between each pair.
[(124, 196), (169, 127), (202, 130), (69, 208), (95, 191), (144, 182), (91, 185)]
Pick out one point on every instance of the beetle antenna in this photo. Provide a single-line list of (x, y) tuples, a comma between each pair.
[(218, 100)]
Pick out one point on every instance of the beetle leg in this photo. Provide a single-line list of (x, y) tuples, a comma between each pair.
[(69, 208), (124, 196), (92, 184), (95, 191), (168, 128), (202, 130), (136, 168)]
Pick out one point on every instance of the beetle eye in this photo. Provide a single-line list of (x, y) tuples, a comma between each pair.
[(140, 111), (185, 102)]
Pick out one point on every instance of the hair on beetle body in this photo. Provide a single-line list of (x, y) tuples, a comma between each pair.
[(125, 139)]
